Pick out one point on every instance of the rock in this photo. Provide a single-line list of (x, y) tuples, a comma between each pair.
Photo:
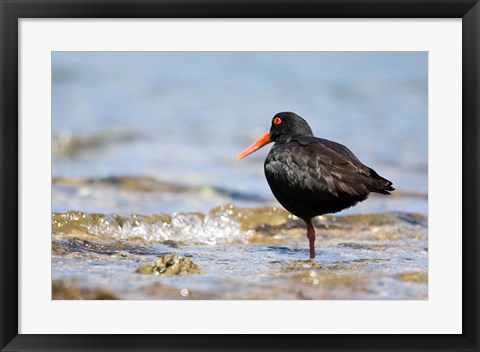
[(171, 264), (417, 277)]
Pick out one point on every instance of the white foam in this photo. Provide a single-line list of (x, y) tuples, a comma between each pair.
[(188, 228)]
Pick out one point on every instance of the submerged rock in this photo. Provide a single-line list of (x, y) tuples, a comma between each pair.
[(171, 264)]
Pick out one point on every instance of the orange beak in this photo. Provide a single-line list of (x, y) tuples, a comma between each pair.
[(265, 139)]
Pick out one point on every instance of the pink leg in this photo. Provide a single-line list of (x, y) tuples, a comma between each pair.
[(311, 238)]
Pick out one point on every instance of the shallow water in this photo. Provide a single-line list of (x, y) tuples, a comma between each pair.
[(156, 135), (252, 253)]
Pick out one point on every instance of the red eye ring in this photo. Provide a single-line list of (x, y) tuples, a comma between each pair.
[(277, 121)]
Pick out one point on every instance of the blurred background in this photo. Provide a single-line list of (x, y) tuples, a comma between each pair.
[(158, 132)]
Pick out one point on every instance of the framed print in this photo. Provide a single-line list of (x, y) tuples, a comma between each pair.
[(142, 208)]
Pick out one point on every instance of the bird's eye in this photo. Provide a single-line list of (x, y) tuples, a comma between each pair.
[(277, 121)]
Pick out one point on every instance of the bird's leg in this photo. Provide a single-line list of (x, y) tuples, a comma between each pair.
[(311, 238)]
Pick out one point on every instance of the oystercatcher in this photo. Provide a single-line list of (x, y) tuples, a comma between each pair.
[(313, 176)]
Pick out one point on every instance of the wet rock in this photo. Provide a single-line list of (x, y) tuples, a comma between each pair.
[(66, 291), (61, 247), (103, 248), (417, 277), (171, 264), (277, 226)]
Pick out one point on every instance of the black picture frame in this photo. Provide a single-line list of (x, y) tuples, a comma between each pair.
[(12, 10)]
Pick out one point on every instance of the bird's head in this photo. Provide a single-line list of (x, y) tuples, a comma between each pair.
[(285, 126)]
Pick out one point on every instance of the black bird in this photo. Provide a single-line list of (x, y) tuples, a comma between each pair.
[(312, 176)]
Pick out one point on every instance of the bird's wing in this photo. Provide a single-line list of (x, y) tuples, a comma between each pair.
[(330, 166)]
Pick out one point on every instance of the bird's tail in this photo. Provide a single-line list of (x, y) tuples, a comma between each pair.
[(380, 184)]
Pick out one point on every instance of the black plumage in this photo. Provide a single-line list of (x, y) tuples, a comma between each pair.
[(312, 176)]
